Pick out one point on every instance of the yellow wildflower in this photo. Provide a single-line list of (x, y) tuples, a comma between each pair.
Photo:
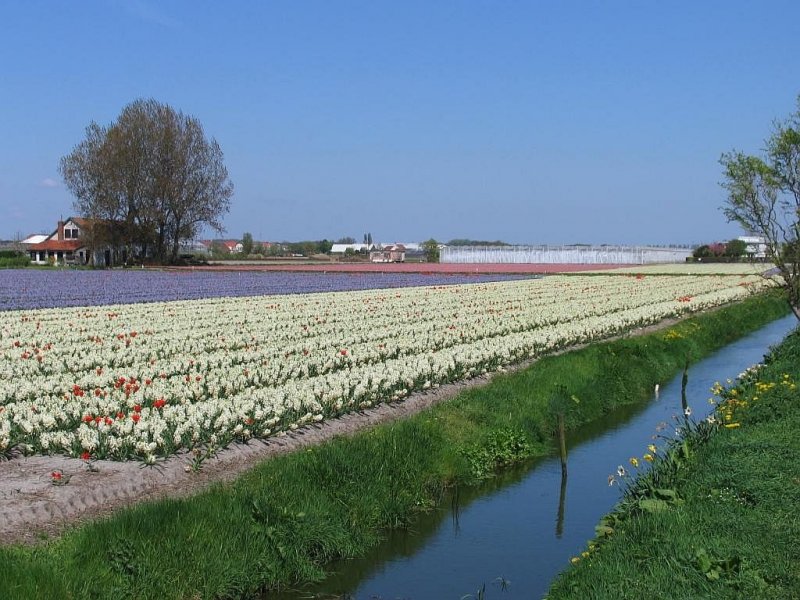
[(648, 457), (634, 461), (733, 425)]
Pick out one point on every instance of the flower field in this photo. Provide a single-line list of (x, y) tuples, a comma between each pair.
[(140, 381), (29, 288)]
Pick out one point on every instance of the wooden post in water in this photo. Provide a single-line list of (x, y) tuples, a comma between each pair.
[(684, 382), (562, 450), (562, 500), (456, 508), (562, 443)]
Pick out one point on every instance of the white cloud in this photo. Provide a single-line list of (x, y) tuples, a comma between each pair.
[(47, 182)]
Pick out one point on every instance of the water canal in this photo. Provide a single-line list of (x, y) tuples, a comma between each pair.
[(515, 533)]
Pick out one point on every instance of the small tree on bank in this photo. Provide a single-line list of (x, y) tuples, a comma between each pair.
[(247, 244), (764, 198), (735, 248), (153, 174), (431, 250)]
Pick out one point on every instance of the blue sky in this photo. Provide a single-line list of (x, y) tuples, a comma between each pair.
[(531, 122)]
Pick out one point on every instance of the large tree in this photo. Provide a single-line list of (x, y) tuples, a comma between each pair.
[(764, 197), (153, 174)]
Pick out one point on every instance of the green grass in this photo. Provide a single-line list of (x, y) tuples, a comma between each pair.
[(283, 521), (14, 262), (736, 532)]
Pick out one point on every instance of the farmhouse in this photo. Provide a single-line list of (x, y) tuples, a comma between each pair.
[(387, 254), (78, 241)]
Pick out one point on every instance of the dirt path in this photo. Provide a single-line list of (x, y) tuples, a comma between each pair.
[(32, 508)]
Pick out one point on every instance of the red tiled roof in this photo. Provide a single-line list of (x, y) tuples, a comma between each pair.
[(62, 245)]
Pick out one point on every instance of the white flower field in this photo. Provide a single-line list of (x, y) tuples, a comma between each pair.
[(141, 381)]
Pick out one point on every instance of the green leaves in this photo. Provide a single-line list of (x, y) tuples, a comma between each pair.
[(660, 499), (602, 531), (667, 495), (652, 505), (501, 447), (713, 568)]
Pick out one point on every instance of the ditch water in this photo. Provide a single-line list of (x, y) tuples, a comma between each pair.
[(515, 533)]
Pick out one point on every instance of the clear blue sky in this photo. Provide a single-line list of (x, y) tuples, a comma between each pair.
[(531, 122)]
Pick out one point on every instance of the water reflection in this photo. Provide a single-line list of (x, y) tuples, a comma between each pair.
[(562, 499)]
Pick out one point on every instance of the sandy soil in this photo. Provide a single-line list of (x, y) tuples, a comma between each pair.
[(31, 507)]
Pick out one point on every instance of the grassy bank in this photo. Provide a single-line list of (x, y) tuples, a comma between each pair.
[(285, 519), (718, 517)]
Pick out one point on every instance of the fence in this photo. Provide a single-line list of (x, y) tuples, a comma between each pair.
[(638, 255)]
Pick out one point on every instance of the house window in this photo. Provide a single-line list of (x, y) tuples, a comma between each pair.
[(70, 234)]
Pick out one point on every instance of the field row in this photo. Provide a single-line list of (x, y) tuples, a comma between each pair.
[(145, 380), (25, 289), (696, 268)]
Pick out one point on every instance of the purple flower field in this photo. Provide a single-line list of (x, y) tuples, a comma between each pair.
[(29, 288)]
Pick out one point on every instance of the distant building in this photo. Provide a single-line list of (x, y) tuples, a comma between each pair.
[(756, 245), (343, 248), (194, 247), (232, 246), (571, 254), (388, 254)]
